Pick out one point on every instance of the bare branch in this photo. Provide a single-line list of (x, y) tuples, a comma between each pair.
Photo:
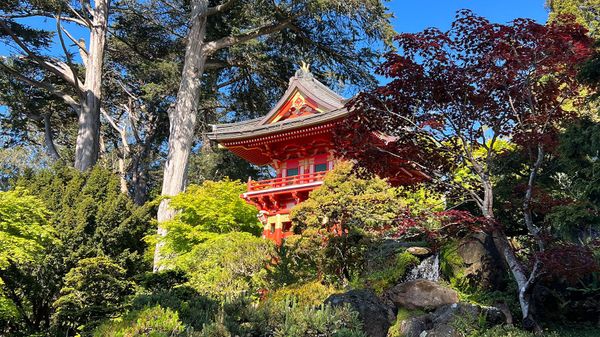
[(56, 67), (220, 8), (229, 41), (122, 131), (79, 43), (85, 21), (46, 86), (66, 51)]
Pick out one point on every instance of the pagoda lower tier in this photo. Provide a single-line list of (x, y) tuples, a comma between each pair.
[(275, 198)]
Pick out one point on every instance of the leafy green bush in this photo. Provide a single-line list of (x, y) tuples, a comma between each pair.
[(194, 309), (24, 227), (346, 198), (342, 219), (95, 289), (205, 212), (318, 254), (152, 321), (315, 322), (305, 294), (228, 265)]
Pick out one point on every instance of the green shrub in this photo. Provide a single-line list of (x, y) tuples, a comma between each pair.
[(24, 227), (317, 254), (194, 309), (95, 289), (346, 215), (229, 265), (90, 217), (152, 321), (346, 198), (306, 294), (206, 210), (315, 322), (215, 329)]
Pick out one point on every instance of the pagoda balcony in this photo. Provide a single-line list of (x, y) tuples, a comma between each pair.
[(285, 183)]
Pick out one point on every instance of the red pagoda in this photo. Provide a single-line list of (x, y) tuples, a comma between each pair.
[(295, 139)]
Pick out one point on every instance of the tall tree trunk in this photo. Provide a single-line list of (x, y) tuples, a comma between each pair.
[(49, 139), (182, 119), (139, 180), (88, 135)]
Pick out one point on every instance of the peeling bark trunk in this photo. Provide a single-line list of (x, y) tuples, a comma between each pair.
[(87, 145), (182, 119), (122, 176)]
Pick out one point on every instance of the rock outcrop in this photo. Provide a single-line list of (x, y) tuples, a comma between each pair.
[(482, 264), (419, 294), (442, 321), (376, 316), (419, 251)]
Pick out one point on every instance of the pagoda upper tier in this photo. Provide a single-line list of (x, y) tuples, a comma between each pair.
[(308, 108)]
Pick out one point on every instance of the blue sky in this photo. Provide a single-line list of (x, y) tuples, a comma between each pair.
[(415, 15), (409, 15)]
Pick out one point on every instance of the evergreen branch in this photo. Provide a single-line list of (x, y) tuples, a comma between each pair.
[(46, 15)]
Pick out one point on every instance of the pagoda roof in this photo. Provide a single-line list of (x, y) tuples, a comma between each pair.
[(322, 103)]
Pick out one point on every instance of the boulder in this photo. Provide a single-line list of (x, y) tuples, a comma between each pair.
[(376, 316), (483, 266), (442, 321), (419, 294), (414, 326), (419, 251)]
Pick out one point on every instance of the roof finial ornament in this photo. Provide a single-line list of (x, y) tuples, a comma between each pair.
[(304, 71)]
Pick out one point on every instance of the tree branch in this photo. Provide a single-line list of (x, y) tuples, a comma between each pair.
[(220, 8), (229, 41), (50, 88), (44, 14), (56, 67), (66, 51)]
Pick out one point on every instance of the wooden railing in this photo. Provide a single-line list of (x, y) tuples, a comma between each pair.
[(285, 181)]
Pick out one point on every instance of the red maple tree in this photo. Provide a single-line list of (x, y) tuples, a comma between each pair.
[(454, 96)]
